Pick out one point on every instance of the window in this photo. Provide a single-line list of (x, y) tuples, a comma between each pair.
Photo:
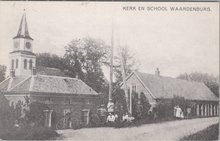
[(12, 64), (16, 63), (85, 116), (30, 64), (134, 88), (25, 64)]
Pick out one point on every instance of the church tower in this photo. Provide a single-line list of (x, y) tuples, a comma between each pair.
[(22, 59)]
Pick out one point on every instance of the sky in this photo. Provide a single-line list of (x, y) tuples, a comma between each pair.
[(175, 42)]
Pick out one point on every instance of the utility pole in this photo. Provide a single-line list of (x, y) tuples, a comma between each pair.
[(123, 70), (131, 90), (110, 105)]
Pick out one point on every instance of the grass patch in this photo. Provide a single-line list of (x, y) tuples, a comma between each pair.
[(34, 133), (210, 133)]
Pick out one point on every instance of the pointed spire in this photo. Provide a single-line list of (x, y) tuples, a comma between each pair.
[(23, 28)]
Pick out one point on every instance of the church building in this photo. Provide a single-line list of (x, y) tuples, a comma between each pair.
[(63, 95)]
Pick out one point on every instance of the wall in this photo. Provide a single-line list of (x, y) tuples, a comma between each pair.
[(20, 70), (14, 98), (57, 103), (133, 80), (69, 103)]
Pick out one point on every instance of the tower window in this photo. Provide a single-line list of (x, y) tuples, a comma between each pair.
[(25, 64), (16, 63), (12, 64), (30, 64)]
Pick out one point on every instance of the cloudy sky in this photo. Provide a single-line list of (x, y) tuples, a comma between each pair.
[(175, 42)]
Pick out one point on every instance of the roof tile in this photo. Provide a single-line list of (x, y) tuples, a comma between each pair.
[(167, 87)]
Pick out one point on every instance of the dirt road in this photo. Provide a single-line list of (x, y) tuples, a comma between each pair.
[(166, 131)]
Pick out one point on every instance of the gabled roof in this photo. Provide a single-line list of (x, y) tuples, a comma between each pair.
[(167, 87), (44, 84), (23, 29), (4, 84), (22, 86)]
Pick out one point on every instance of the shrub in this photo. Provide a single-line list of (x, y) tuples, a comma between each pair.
[(6, 116), (35, 114), (94, 120), (164, 109), (139, 110), (210, 133), (140, 107), (120, 102), (34, 133), (26, 131), (145, 105)]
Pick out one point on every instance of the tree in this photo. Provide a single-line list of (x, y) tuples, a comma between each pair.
[(136, 108), (140, 106), (164, 109), (120, 102), (2, 72), (144, 104), (209, 80), (50, 60), (126, 58), (85, 57)]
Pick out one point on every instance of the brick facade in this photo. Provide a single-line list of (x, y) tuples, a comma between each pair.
[(77, 105)]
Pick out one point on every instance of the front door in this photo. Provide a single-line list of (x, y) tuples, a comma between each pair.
[(67, 118)]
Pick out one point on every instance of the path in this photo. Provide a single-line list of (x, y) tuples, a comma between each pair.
[(171, 130)]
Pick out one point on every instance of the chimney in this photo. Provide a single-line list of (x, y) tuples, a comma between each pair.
[(34, 72), (157, 72), (12, 73)]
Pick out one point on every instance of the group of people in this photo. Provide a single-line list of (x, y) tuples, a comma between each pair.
[(178, 113), (111, 117), (114, 118)]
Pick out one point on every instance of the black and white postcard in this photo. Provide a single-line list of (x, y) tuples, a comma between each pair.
[(109, 71)]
